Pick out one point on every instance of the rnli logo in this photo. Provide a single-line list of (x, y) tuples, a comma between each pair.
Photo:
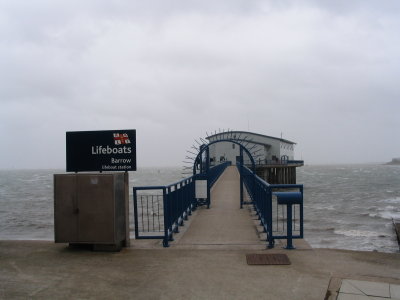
[(121, 139)]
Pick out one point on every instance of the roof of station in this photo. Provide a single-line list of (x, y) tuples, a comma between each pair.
[(247, 133)]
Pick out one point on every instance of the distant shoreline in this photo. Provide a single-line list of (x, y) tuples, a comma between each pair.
[(395, 161)]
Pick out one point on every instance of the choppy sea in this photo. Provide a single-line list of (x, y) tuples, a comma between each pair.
[(345, 206)]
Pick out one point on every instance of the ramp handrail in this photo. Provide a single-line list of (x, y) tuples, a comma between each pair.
[(260, 193), (178, 202), (216, 172)]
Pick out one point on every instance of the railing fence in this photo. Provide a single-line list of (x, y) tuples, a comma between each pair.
[(160, 210), (273, 212)]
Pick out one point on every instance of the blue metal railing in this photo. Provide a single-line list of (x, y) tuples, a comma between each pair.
[(215, 172), (171, 205), (261, 194), (179, 202)]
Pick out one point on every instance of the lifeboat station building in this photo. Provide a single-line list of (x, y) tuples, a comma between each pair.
[(274, 157)]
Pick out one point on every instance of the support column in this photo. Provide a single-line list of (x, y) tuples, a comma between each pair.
[(241, 178), (294, 176)]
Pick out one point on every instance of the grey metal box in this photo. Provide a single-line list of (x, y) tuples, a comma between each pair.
[(91, 209)]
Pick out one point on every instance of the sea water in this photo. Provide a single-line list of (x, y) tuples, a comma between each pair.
[(345, 206), (351, 207)]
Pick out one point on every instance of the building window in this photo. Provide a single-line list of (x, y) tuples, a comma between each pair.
[(233, 146)]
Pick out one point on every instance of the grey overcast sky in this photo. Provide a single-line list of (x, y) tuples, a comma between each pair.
[(324, 73)]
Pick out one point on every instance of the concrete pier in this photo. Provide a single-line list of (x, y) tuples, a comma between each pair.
[(207, 260), (44, 270)]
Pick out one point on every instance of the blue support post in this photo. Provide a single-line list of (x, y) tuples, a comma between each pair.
[(271, 241), (178, 190), (208, 194), (187, 200), (207, 160), (208, 179), (170, 210), (301, 214), (136, 213), (289, 243), (166, 220), (241, 177), (193, 193)]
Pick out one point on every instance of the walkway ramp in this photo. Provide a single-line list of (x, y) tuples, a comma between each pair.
[(224, 225)]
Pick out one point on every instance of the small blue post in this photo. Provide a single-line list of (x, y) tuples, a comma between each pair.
[(166, 221), (289, 244), (208, 194), (241, 177), (271, 241), (136, 213)]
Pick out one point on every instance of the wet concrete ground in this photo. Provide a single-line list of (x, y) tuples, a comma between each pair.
[(207, 260)]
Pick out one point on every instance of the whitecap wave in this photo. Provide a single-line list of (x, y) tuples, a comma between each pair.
[(391, 200), (388, 212), (359, 233), (389, 215)]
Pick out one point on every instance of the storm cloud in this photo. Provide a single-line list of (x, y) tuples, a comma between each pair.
[(324, 74)]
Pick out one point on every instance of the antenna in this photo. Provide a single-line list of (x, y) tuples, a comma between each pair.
[(252, 147), (204, 141)]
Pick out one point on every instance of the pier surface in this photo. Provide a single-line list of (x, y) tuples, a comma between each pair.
[(44, 270), (207, 260), (224, 225)]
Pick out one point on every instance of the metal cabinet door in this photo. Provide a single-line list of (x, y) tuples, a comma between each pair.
[(65, 209), (96, 208)]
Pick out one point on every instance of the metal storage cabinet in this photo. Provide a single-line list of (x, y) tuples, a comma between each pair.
[(90, 208)]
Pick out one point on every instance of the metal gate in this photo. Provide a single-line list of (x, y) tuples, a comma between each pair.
[(148, 205)]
